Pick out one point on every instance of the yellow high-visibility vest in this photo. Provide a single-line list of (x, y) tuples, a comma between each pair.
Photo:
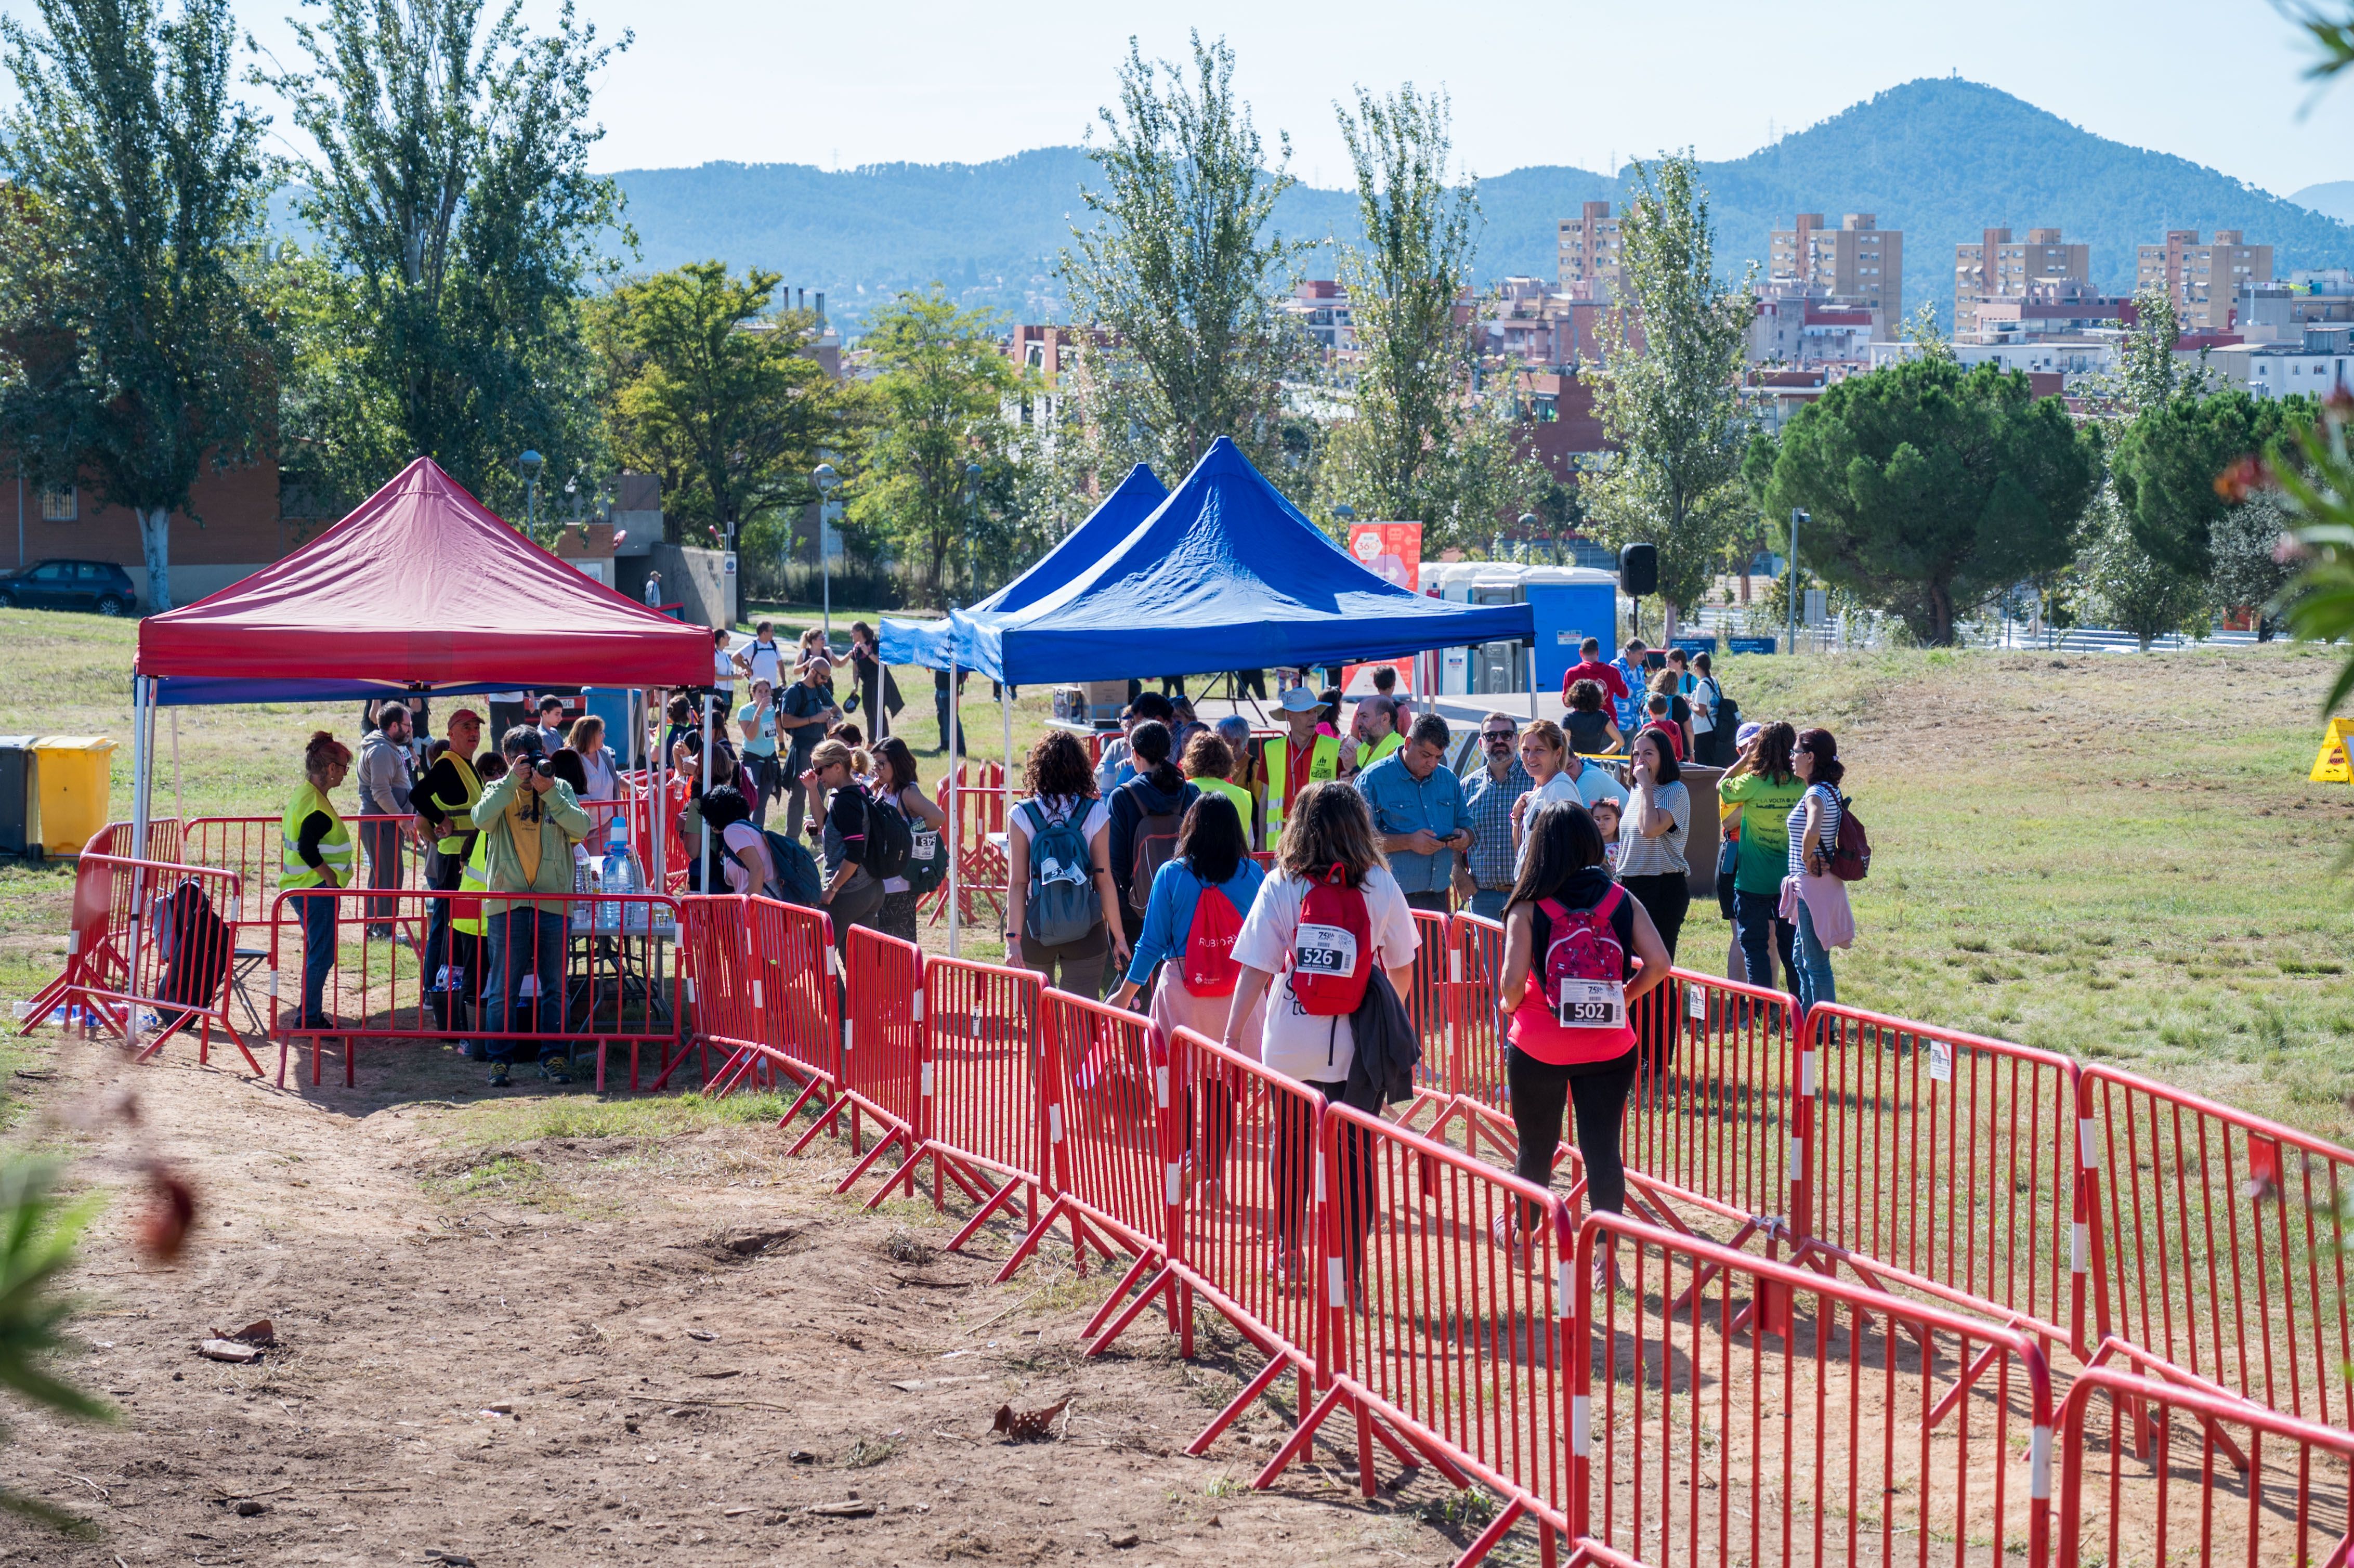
[(457, 820), (1323, 767), (334, 849), (1380, 749), (474, 877)]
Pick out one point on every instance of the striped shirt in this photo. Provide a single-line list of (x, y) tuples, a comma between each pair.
[(1828, 838)]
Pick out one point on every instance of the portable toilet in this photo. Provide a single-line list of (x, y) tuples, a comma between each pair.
[(1497, 666), (1450, 580), (1569, 604)]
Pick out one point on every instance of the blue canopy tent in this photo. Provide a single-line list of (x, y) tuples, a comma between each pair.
[(926, 643), (1226, 574)]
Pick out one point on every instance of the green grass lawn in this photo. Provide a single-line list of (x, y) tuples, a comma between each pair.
[(2115, 856)]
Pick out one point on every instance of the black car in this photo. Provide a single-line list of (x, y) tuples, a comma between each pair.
[(101, 586)]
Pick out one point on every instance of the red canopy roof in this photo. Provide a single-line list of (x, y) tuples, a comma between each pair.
[(422, 586)]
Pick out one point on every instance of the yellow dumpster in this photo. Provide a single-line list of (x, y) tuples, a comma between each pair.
[(75, 773)]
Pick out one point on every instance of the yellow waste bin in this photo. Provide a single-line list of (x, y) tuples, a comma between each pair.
[(76, 782)]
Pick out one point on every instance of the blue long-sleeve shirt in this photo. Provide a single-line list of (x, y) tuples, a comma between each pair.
[(1169, 912), (1402, 803)]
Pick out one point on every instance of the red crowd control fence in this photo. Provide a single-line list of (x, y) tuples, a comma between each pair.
[(1110, 1172), (1430, 1007), (986, 1106), (759, 982), (1243, 1236), (1943, 1163), (164, 840), (600, 968), (152, 956), (1708, 1123), (884, 1061), (2219, 1243), (1755, 1412), (1449, 1313), (2181, 1474)]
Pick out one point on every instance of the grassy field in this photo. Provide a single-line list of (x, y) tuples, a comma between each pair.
[(2114, 856)]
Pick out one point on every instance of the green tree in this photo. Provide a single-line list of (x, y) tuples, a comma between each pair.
[(135, 351), (2128, 587), (941, 389), (1668, 393), (457, 219), (1417, 443), (2250, 566), (718, 395), (1931, 488), (2168, 457), (37, 1238), (1180, 271)]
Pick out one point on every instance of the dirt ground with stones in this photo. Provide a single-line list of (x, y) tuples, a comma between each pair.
[(578, 1348)]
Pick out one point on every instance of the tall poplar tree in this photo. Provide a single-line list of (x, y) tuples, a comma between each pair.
[(1669, 392), (132, 350)]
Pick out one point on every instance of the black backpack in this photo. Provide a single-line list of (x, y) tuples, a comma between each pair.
[(889, 841)]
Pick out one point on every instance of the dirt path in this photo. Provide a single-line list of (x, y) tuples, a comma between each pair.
[(564, 1347)]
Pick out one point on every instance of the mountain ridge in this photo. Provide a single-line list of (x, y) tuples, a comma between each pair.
[(1939, 158)]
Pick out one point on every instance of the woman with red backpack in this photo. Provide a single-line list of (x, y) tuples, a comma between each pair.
[(1199, 898), (1307, 948), (1579, 951)]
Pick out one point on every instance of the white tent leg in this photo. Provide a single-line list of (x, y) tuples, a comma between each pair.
[(179, 807), (702, 863), (955, 823), (656, 828), (142, 742)]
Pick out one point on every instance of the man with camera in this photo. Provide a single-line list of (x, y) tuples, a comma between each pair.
[(530, 821)]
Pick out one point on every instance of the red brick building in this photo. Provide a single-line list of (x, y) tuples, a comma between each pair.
[(237, 527)]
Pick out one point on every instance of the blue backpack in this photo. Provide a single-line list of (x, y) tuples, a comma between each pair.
[(1062, 904)]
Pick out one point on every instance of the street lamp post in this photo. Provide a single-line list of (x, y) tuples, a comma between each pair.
[(530, 461), (972, 524), (1796, 517), (826, 482)]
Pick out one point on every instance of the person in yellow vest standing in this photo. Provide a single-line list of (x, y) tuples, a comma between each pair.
[(315, 851), (1381, 730), (444, 800), (531, 821), (466, 910), (1301, 756)]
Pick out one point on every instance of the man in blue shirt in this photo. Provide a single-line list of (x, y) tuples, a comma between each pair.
[(1492, 780), (1418, 814)]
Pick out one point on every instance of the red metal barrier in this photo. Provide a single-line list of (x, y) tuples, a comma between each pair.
[(255, 849), (1709, 1123), (1430, 1007), (1755, 1413), (1106, 1092), (1450, 1315), (1940, 1163), (1244, 1238), (618, 975), (885, 1057), (2219, 1243), (981, 867), (164, 841), (151, 955), (1476, 1043), (758, 976), (986, 1112), (2279, 1494)]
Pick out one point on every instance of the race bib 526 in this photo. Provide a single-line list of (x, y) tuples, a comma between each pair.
[(1325, 950)]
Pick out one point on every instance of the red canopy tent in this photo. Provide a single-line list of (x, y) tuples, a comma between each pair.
[(421, 589)]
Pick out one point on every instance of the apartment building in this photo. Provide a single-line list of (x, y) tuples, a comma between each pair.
[(1857, 263), (2203, 280), (1801, 324), (2001, 268), (2280, 312), (1529, 325), (1321, 305), (2317, 362), (1591, 263)]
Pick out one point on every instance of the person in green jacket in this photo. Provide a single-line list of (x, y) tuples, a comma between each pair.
[(529, 821), (1763, 785)]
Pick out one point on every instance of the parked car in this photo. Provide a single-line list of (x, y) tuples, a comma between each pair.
[(101, 586)]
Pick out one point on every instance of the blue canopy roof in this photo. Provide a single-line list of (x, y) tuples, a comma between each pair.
[(1226, 574), (926, 643)]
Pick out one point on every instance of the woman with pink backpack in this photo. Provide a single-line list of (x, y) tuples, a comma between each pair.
[(1579, 951)]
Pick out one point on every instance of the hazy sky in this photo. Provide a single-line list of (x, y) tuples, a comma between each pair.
[(2217, 82)]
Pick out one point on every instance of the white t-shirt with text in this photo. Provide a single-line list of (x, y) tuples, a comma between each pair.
[(1296, 1043)]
